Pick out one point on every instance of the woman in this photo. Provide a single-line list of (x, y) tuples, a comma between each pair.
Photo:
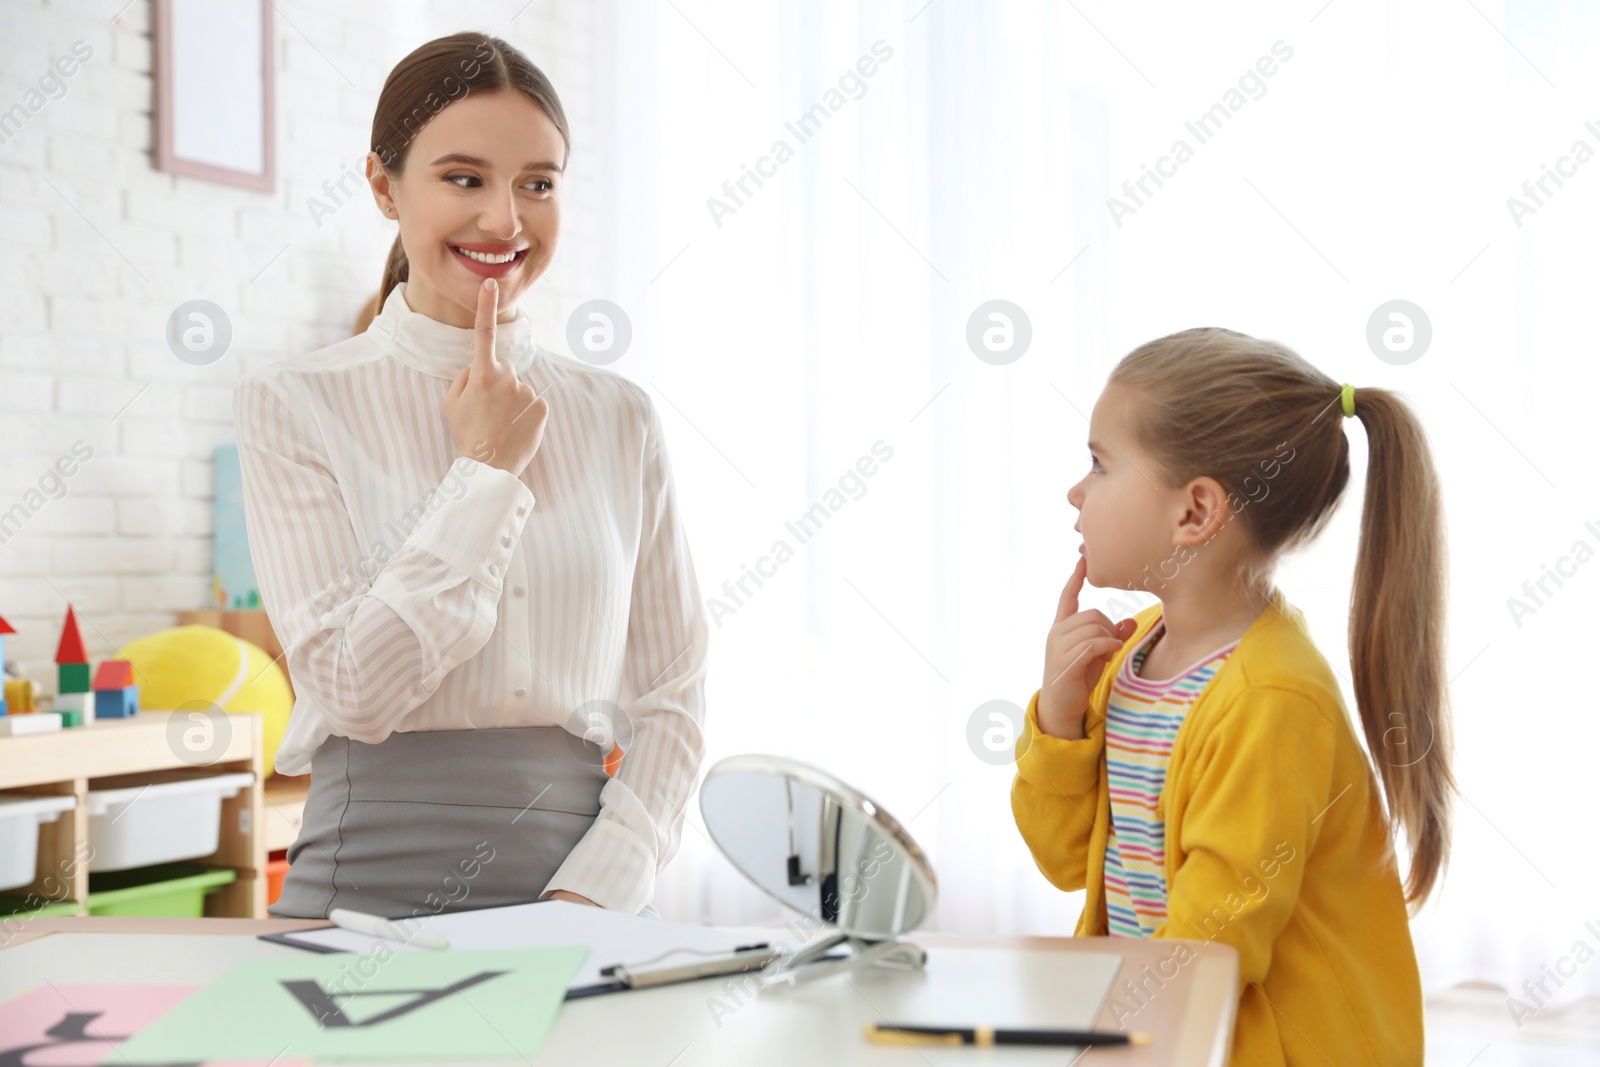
[(471, 547)]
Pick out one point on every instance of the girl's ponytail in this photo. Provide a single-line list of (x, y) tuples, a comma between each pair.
[(395, 271), (1397, 641)]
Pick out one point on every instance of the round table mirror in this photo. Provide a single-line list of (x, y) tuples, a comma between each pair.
[(824, 849)]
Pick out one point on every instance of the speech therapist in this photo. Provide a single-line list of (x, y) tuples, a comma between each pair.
[(470, 546)]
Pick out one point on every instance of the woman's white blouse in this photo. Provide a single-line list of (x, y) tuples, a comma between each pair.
[(413, 590)]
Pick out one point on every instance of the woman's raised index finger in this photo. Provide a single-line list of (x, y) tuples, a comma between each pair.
[(483, 357)]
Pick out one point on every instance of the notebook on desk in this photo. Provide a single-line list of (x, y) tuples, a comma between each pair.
[(612, 937)]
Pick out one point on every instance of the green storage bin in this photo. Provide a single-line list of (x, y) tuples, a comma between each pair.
[(17, 908), (168, 890)]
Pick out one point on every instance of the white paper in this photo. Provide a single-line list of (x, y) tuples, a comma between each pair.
[(960, 986), (1016, 989), (612, 937)]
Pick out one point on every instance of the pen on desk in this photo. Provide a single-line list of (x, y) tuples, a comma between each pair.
[(744, 958), (378, 926), (922, 1034)]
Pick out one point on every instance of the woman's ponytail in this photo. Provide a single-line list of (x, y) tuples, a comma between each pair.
[(395, 271), (1397, 633)]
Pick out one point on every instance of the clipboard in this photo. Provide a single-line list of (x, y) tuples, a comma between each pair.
[(615, 941)]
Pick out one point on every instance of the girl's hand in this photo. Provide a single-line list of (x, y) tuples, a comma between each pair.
[(1077, 650), (494, 417), (562, 894)]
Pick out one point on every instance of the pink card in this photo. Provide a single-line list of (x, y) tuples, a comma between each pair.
[(81, 1025)]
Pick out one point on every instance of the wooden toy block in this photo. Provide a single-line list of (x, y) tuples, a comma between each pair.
[(116, 703), (21, 695), (113, 674), (70, 647), (72, 663), (70, 717), (40, 723), (72, 678)]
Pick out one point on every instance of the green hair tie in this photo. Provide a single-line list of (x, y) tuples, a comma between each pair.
[(1347, 398)]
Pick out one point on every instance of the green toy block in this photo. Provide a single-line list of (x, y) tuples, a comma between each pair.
[(72, 678), (71, 717)]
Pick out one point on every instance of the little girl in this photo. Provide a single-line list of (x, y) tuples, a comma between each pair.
[(1194, 767)]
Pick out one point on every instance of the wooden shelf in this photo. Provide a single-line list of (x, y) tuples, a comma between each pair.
[(109, 753), (285, 803)]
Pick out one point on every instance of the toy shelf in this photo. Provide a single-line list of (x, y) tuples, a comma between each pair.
[(286, 804), (115, 753)]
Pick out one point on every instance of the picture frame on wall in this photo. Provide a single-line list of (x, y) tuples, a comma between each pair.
[(213, 109)]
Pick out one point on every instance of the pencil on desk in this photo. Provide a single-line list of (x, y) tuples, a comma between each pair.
[(922, 1034)]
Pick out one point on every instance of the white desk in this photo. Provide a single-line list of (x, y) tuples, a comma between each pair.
[(1190, 1015)]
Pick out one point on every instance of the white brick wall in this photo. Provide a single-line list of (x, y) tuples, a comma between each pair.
[(97, 248)]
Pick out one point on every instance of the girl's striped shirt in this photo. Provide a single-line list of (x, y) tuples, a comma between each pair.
[(1142, 718)]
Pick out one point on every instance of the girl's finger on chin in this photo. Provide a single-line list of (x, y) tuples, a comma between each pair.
[(1067, 605)]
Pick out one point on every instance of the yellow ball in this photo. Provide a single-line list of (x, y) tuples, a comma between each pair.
[(188, 666)]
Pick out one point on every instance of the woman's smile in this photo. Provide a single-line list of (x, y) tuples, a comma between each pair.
[(489, 260)]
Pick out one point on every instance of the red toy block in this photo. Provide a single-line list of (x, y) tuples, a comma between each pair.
[(70, 650), (113, 674)]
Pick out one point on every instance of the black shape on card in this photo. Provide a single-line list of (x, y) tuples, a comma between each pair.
[(73, 1029), (328, 1011)]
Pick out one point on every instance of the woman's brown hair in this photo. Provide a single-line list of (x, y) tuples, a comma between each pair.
[(1220, 403), (430, 78)]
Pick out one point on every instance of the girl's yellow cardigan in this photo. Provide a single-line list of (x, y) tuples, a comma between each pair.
[(1276, 844)]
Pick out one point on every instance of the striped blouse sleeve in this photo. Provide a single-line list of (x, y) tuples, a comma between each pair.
[(641, 809), (368, 659)]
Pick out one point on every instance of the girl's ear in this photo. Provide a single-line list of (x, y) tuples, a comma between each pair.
[(1206, 512)]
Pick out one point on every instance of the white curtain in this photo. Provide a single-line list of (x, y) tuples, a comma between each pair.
[(790, 328)]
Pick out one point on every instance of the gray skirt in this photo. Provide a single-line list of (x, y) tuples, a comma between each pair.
[(450, 820)]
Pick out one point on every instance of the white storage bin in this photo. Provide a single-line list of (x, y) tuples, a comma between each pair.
[(158, 823), (20, 819)]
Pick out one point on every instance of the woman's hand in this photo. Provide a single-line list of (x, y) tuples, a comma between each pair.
[(494, 417), (1075, 653), (562, 894)]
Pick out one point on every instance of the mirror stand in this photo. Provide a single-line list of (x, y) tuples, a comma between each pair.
[(808, 964)]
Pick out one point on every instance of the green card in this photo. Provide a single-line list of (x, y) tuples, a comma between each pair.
[(475, 1003)]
